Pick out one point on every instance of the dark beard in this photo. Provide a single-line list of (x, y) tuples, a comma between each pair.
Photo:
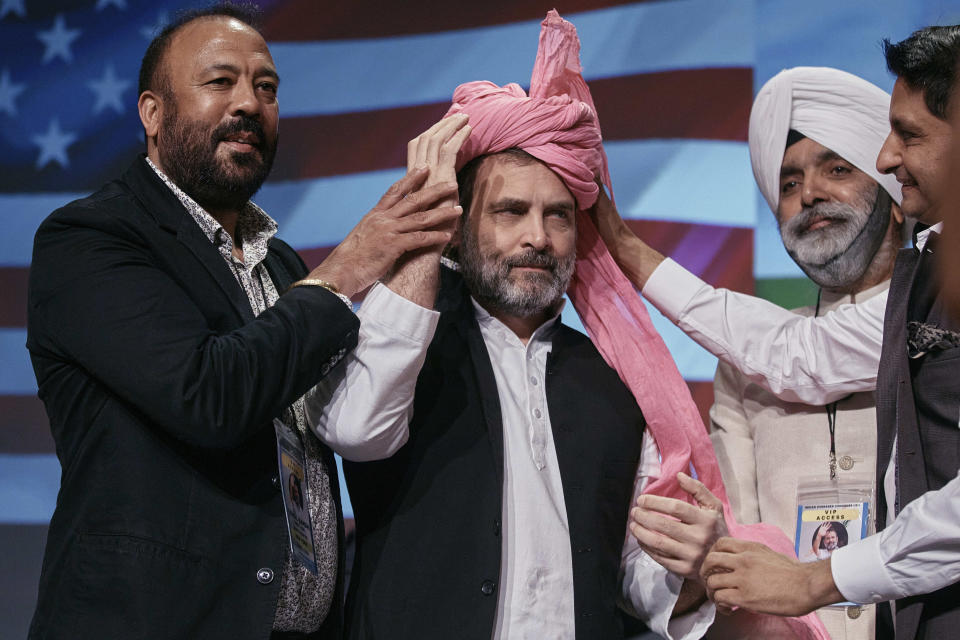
[(189, 157), (487, 276)]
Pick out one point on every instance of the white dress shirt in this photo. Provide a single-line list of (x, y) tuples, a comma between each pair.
[(816, 361), (362, 410)]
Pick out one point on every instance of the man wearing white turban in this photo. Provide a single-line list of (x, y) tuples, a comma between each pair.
[(814, 160), (909, 350)]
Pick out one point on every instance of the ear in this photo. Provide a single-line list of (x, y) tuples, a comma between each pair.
[(457, 233), (150, 107), (896, 213)]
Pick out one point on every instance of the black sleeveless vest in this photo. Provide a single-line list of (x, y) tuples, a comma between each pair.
[(427, 563), (918, 401)]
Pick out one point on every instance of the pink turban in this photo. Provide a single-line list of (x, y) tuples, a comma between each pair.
[(557, 124)]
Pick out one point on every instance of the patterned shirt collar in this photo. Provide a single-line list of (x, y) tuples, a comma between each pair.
[(254, 226)]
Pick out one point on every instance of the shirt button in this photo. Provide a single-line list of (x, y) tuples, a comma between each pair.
[(533, 381), (496, 528), (487, 587), (846, 463), (536, 412), (854, 612), (275, 481), (265, 575)]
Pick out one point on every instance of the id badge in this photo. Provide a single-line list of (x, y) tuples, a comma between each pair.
[(830, 515), (296, 497)]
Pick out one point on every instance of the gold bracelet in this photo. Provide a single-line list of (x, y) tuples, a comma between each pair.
[(329, 286)]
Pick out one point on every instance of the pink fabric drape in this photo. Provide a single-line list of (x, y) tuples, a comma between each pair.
[(557, 123)]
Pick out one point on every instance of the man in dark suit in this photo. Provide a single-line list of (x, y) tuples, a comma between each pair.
[(173, 336), (491, 492)]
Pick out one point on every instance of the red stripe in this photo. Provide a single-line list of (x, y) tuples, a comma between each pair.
[(13, 283), (23, 426), (297, 20), (668, 104), (702, 393), (734, 270)]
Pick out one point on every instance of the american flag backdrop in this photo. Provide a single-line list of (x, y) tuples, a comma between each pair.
[(673, 81)]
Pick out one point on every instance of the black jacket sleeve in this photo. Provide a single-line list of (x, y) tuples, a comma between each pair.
[(100, 300)]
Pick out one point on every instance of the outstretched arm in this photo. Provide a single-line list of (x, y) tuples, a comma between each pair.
[(809, 360)]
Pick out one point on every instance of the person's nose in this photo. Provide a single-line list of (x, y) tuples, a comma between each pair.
[(245, 101), (535, 231), (814, 189), (890, 156)]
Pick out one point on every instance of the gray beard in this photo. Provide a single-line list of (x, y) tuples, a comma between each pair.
[(837, 256), (488, 277)]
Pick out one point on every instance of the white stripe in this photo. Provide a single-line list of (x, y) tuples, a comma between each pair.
[(22, 214), (358, 75), (16, 374), (28, 488), (770, 259), (677, 180), (697, 181), (694, 362), (29, 485)]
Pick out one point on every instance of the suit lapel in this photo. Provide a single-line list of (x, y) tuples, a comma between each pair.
[(455, 301), (890, 377), (193, 239), (896, 370), (164, 206), (486, 383)]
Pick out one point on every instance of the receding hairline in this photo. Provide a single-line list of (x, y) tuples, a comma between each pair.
[(162, 68), (152, 76)]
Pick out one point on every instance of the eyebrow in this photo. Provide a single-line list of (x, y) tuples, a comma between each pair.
[(827, 155), (899, 124), (517, 203), (226, 66), (509, 203)]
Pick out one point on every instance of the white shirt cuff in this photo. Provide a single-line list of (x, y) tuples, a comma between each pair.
[(658, 589), (670, 288), (384, 307), (860, 573)]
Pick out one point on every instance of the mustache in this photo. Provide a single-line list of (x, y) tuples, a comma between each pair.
[(241, 124), (818, 212), (532, 258), (808, 216)]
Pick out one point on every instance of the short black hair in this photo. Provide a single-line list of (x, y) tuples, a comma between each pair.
[(927, 61), (152, 78)]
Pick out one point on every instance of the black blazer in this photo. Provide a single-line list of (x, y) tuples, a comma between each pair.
[(160, 387), (918, 402), (427, 563)]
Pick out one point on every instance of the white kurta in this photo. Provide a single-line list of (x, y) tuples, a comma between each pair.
[(817, 361), (764, 445)]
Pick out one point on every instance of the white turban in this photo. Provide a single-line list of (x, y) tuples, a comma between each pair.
[(844, 113)]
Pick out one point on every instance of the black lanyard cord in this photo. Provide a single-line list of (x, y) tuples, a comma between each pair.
[(831, 413)]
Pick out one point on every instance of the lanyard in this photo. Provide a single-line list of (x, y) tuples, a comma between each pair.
[(832, 423), (831, 415)]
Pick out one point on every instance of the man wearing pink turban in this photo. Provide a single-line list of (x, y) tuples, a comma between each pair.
[(495, 472)]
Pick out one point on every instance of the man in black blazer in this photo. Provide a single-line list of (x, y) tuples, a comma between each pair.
[(171, 334)]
